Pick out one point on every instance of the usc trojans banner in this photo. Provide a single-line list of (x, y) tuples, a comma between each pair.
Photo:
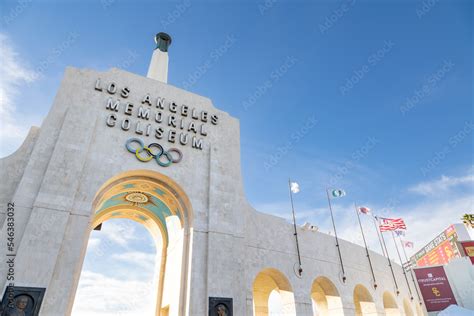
[(435, 288)]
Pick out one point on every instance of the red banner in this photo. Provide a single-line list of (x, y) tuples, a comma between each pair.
[(435, 288), (468, 247)]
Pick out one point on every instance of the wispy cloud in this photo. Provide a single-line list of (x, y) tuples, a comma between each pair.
[(124, 297), (443, 185), (427, 219), (13, 73), (93, 244), (143, 259), (121, 233), (116, 280)]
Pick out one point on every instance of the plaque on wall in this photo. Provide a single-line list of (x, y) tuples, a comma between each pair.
[(220, 306), (21, 301)]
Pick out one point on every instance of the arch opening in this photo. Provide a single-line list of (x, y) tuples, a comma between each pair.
[(419, 310), (390, 304), (407, 308), (363, 301), (272, 284), (118, 271), (161, 206), (325, 298)]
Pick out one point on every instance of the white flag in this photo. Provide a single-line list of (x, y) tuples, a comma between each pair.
[(294, 187)]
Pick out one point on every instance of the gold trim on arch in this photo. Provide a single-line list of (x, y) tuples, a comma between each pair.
[(107, 214), (164, 182), (175, 193)]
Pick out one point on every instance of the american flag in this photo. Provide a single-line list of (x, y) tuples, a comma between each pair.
[(388, 224)]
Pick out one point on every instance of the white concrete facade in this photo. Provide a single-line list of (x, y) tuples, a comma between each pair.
[(54, 177), (460, 273)]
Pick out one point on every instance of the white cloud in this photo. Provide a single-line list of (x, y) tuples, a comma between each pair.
[(13, 73), (116, 280), (106, 296), (119, 232), (442, 185), (429, 218), (143, 259), (93, 244)]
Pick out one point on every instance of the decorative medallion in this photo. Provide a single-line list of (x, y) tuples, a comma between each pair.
[(136, 198)]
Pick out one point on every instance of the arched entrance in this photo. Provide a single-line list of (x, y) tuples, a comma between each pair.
[(266, 282), (390, 304), (325, 297), (119, 272), (162, 207), (419, 310), (407, 308), (363, 301)]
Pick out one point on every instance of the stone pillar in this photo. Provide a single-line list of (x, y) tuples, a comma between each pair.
[(158, 68)]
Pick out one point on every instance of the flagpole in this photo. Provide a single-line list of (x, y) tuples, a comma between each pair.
[(366, 249), (403, 269), (378, 234), (337, 240), (300, 270), (411, 270), (389, 262)]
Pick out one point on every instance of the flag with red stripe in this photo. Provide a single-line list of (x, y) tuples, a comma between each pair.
[(389, 224), (364, 210)]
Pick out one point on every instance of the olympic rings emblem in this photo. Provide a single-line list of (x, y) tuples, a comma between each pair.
[(153, 151)]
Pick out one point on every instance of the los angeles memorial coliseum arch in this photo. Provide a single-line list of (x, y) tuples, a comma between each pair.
[(119, 145)]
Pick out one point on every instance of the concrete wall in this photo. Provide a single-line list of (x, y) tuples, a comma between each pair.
[(76, 153), (460, 273), (12, 168)]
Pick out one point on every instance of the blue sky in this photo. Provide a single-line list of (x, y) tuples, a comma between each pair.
[(375, 97)]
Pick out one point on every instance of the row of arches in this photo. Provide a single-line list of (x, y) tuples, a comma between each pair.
[(161, 205), (273, 295)]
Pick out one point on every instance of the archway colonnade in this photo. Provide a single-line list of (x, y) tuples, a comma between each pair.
[(160, 204), (325, 297)]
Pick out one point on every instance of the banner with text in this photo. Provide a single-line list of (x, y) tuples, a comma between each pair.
[(435, 288)]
